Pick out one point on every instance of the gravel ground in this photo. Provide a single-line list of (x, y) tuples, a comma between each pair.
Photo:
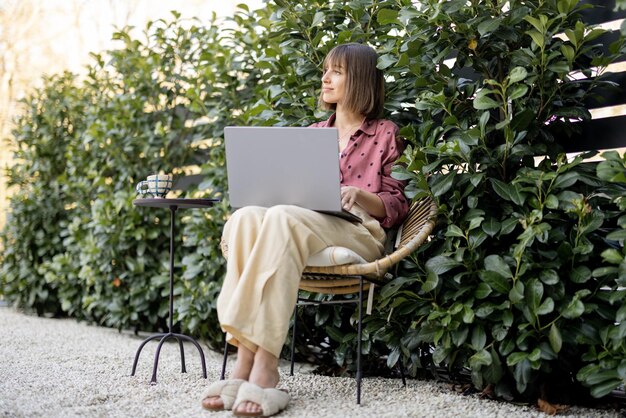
[(61, 368)]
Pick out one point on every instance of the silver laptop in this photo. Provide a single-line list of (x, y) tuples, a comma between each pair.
[(270, 166)]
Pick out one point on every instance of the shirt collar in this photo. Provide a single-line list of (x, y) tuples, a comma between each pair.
[(368, 126)]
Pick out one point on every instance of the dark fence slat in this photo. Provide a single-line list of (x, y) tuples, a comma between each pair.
[(603, 11), (608, 96), (598, 134)]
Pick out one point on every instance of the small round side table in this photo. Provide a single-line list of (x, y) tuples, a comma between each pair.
[(173, 205)]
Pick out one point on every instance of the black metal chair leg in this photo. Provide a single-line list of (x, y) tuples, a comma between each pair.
[(293, 337), (358, 353), (225, 359), (402, 373)]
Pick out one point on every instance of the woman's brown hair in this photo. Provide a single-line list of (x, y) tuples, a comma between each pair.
[(365, 86)]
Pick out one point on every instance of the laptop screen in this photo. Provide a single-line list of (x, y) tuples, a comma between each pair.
[(269, 166)]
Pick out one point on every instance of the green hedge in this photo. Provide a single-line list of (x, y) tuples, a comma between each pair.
[(523, 281)]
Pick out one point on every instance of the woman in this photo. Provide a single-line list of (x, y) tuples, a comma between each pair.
[(268, 247)]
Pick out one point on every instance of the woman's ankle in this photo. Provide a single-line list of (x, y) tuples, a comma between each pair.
[(243, 365), (241, 370), (264, 372)]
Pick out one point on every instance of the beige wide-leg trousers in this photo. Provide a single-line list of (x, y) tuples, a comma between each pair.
[(267, 251)]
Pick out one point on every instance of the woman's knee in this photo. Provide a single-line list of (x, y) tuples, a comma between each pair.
[(248, 215), (284, 211)]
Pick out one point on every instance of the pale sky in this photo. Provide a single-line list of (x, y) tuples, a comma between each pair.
[(76, 27)]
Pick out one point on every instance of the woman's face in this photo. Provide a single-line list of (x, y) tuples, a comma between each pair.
[(333, 83)]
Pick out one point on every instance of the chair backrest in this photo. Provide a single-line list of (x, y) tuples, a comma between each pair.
[(420, 213), (339, 280), (414, 231)]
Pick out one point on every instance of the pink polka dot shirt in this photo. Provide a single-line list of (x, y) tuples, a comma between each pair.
[(366, 163)]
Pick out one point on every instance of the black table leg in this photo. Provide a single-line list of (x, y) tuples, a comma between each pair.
[(170, 334)]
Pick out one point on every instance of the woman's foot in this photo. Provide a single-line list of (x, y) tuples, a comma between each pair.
[(225, 390), (242, 370), (264, 374)]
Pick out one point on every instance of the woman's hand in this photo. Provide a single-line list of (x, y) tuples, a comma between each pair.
[(349, 196), (367, 200)]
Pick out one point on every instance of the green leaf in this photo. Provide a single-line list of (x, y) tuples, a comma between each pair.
[(604, 271), (617, 235), (621, 369), (552, 202), (560, 67), (468, 315), (495, 281), (533, 293), (568, 52), (484, 118), (536, 23), (546, 307), (393, 357), (537, 38), (515, 358), (318, 18), (479, 338), (522, 374), (508, 225), (493, 373), (508, 191), (386, 61), (566, 6), (594, 33), (518, 91), (507, 346), (491, 227), (488, 26), (500, 125), (612, 256), (516, 294), (517, 74), (475, 222), (387, 16), (535, 355), (431, 283), (605, 388), (600, 375), (574, 309), (484, 102), (334, 333), (454, 231), (479, 359), (620, 316), (442, 184), (549, 277), (497, 264), (580, 274), (482, 291), (441, 264), (566, 180), (556, 341)]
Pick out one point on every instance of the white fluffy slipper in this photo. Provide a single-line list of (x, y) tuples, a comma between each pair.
[(226, 390), (271, 400)]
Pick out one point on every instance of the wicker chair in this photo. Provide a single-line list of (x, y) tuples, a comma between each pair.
[(356, 278)]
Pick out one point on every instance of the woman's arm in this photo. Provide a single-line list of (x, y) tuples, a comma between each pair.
[(367, 200)]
